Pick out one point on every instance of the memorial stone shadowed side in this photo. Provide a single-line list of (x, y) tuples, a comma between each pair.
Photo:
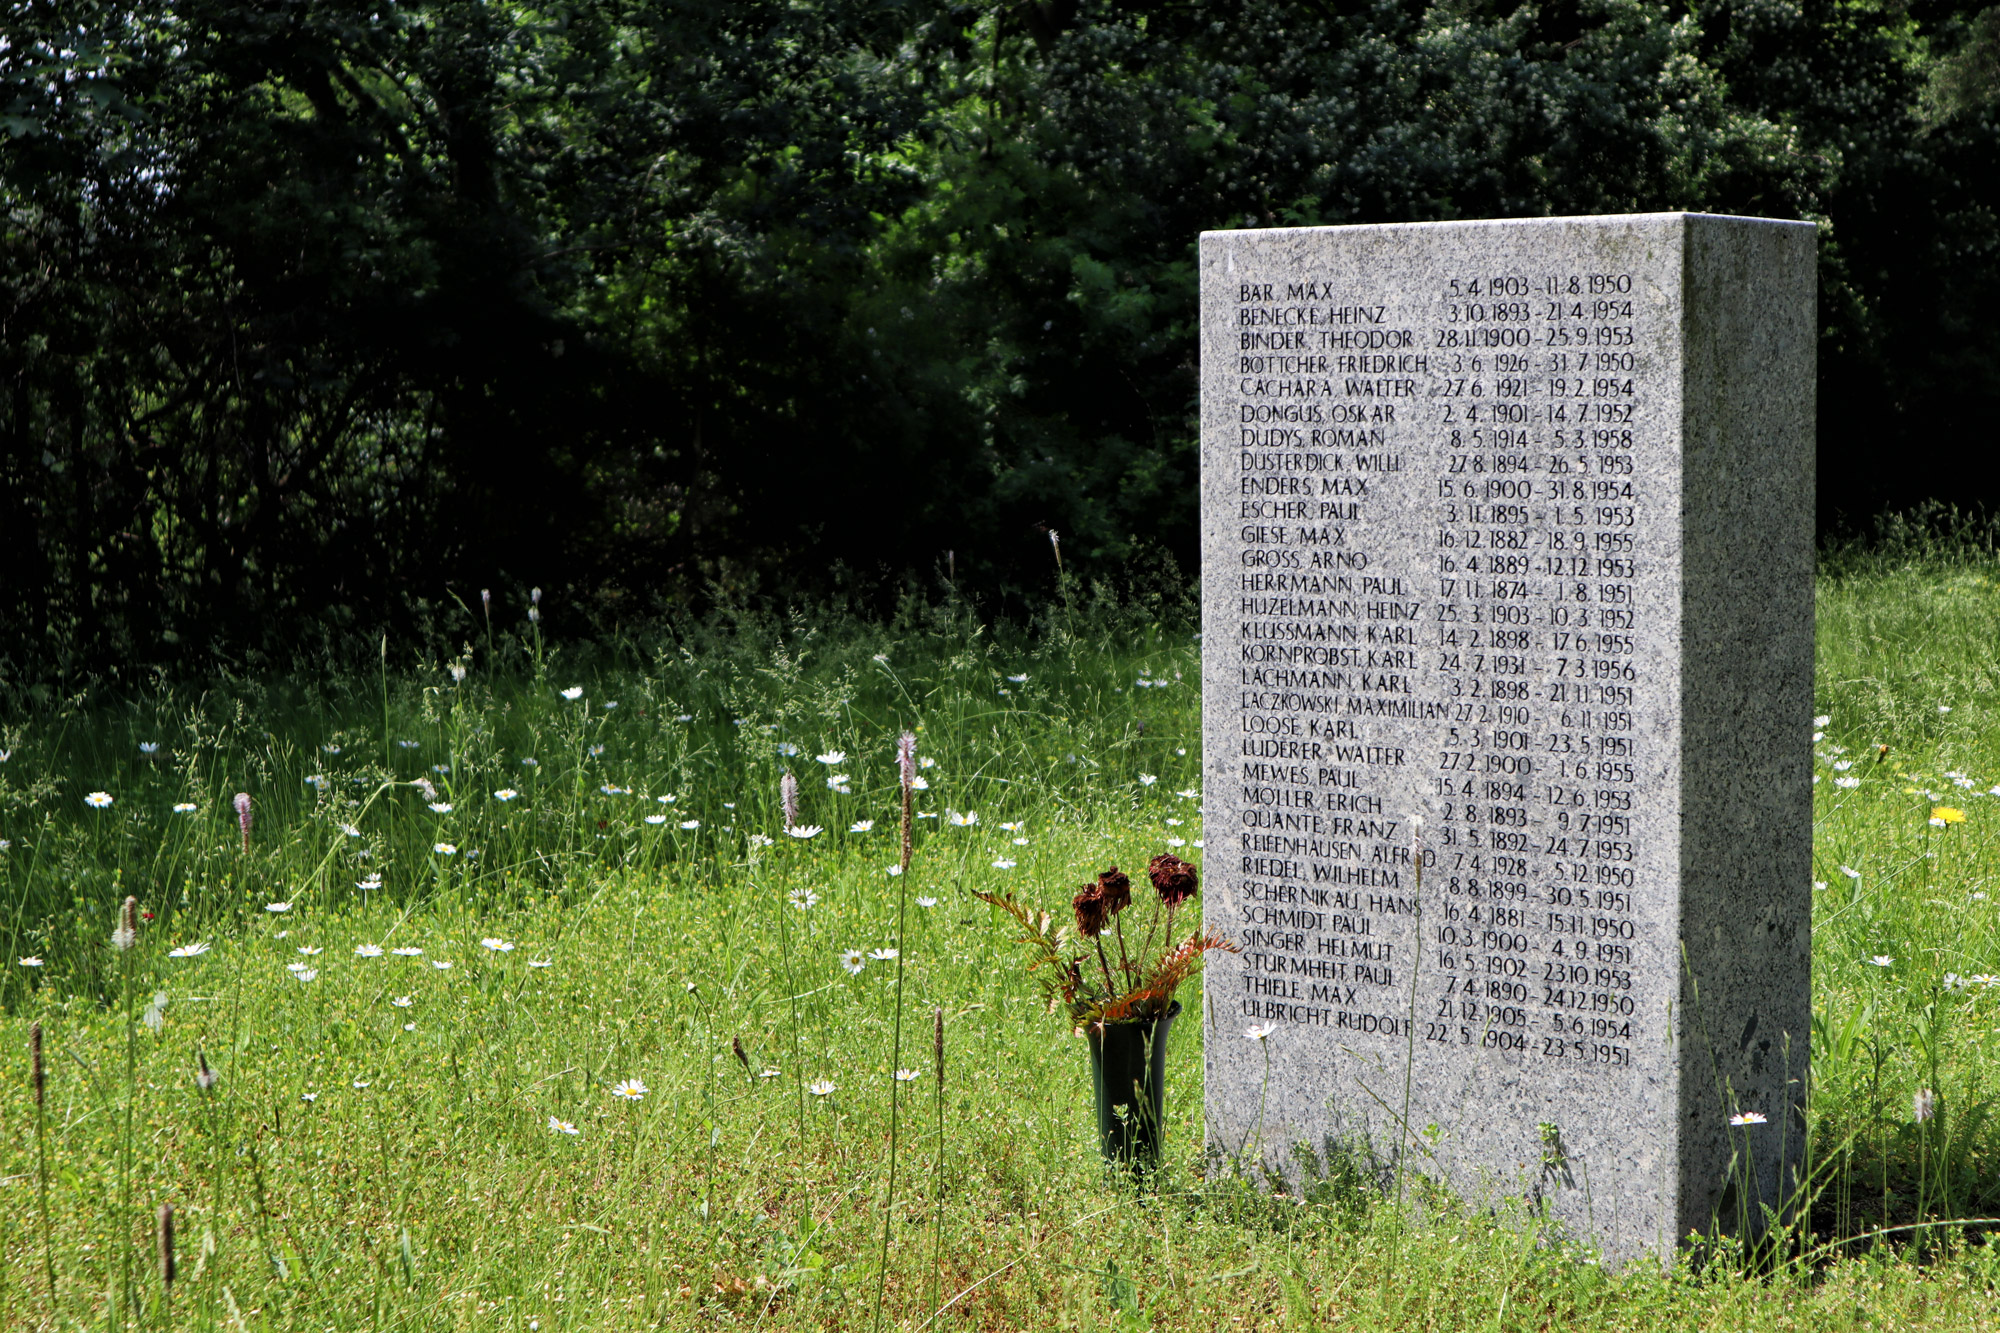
[(1507, 673)]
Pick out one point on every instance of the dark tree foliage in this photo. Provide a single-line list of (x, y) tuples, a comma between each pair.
[(318, 315)]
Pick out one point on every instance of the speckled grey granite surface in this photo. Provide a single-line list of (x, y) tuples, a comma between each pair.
[(1507, 529)]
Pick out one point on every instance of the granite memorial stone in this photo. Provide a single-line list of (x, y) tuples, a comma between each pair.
[(1507, 679)]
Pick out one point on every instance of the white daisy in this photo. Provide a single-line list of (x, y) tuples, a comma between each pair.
[(1882, 959), (573, 692), (1176, 842), (541, 962), (31, 961), (631, 1090), (1848, 783), (1261, 1032), (98, 799), (690, 823), (149, 747), (308, 1096), (803, 899), (370, 884), (919, 783), (656, 819), (277, 907), (1148, 779), (1003, 864), (350, 830), (561, 1126), (966, 820), (441, 807), (806, 831), (408, 951), (895, 870), (188, 951), (1019, 680), (1748, 1118), (862, 826), (821, 1087), (440, 964), (1016, 826), (832, 757), (444, 849), (309, 950), (668, 799), (906, 1075), (1822, 719), (367, 951), (496, 944), (853, 960), (402, 1002), (882, 955), (306, 974), (360, 1083), (184, 807)]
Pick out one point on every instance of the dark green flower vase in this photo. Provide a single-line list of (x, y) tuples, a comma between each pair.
[(1128, 1069)]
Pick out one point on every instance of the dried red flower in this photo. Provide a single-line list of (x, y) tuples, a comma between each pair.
[(1117, 889), (1173, 878), (1090, 910)]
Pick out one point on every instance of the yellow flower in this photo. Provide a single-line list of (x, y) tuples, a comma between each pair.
[(1945, 814)]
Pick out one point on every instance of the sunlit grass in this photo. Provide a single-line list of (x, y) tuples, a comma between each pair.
[(388, 1144)]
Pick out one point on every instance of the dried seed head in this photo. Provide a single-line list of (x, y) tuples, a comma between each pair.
[(486, 601), (906, 757), (937, 1046), (167, 1245), (204, 1077), (1174, 879), (1924, 1105), (127, 933), (1090, 910), (788, 794), (37, 1075), (742, 1056)]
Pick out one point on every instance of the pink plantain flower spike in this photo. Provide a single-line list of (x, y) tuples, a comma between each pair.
[(243, 818)]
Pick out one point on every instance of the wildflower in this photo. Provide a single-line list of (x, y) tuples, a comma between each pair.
[(317, 781), (424, 785), (809, 831), (1924, 1105), (31, 961), (927, 903), (367, 951), (1944, 815), (1003, 864), (596, 750), (1191, 794), (444, 849), (127, 933), (1842, 765), (188, 951), (803, 899), (1848, 783), (1822, 720), (853, 961), (308, 1096), (496, 944), (305, 974), (574, 692), (97, 800), (1944, 708), (360, 1083), (350, 830), (906, 1076), (309, 950), (1742, 1118), (895, 870), (1173, 878), (541, 962), (1176, 842), (1019, 680), (926, 761), (531, 762), (440, 964), (1882, 959), (684, 717), (1148, 779), (862, 826), (768, 1073), (1015, 827), (1261, 1032), (838, 782), (1850, 872), (609, 706), (441, 807), (966, 820), (402, 1002), (631, 1090), (690, 823), (756, 839), (612, 789), (788, 799), (821, 1087), (668, 799), (370, 884), (561, 1126), (787, 749), (457, 670), (406, 745), (408, 951), (1020, 842), (883, 955), (832, 758), (149, 747), (184, 807), (920, 783), (656, 819)]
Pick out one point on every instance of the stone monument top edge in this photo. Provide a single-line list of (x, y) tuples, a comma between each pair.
[(1582, 219)]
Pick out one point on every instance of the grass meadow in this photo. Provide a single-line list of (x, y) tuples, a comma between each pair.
[(523, 1013)]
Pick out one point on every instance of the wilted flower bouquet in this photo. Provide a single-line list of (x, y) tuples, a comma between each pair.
[(1079, 973)]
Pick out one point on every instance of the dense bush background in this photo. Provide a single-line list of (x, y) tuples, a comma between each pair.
[(321, 315)]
